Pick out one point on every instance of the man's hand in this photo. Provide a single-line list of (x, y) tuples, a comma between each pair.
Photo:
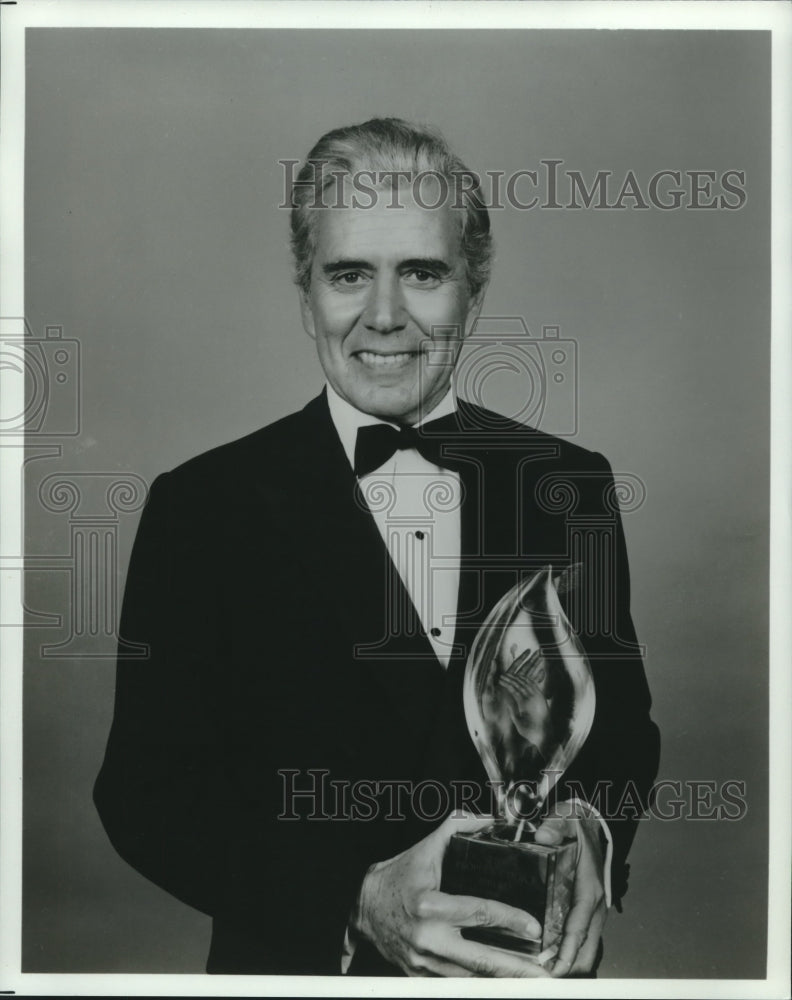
[(586, 918), (418, 928)]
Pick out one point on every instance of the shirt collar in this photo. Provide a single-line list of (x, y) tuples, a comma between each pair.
[(347, 418)]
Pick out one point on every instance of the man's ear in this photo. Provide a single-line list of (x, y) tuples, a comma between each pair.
[(307, 313)]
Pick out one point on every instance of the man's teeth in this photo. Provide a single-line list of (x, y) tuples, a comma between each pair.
[(384, 360)]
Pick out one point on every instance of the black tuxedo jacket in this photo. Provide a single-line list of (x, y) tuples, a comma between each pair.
[(283, 654)]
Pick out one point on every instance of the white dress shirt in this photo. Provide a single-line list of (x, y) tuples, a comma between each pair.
[(416, 506)]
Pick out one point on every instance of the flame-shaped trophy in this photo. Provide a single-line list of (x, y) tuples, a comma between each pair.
[(529, 702)]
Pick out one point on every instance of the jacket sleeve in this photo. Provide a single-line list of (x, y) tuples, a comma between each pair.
[(160, 792), (180, 794)]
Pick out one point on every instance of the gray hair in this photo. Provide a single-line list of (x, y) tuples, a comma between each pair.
[(388, 145)]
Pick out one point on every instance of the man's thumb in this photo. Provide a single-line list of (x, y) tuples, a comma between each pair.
[(554, 830), (462, 821)]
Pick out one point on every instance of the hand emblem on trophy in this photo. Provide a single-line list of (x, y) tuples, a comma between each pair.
[(529, 703)]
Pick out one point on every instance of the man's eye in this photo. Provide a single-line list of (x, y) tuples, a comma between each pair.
[(421, 277), (349, 279)]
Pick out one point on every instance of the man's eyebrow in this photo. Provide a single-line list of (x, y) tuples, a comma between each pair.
[(436, 264), (345, 264)]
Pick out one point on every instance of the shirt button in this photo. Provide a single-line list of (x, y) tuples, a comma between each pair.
[(435, 632), (420, 535)]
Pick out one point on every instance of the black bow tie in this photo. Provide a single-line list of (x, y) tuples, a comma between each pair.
[(378, 442)]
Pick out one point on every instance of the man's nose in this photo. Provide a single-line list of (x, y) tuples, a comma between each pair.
[(385, 310)]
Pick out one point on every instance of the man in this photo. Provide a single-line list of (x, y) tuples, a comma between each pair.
[(309, 595)]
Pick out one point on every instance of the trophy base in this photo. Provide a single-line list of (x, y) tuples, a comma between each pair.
[(489, 864)]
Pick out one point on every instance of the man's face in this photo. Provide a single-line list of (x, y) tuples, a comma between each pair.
[(388, 303)]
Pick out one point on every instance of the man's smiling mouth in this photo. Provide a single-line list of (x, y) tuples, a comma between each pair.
[(377, 359)]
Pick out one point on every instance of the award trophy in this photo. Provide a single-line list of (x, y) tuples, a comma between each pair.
[(529, 704)]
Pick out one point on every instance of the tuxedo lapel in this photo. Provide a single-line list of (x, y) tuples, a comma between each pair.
[(341, 550), (501, 521), (501, 525), (341, 547)]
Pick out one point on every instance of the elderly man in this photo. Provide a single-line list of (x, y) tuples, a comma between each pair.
[(309, 594)]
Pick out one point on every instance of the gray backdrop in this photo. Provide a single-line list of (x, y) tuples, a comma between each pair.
[(153, 238)]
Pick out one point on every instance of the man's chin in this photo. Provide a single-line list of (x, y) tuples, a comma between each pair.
[(398, 401), (394, 412)]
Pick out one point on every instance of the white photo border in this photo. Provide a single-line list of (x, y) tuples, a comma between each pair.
[(775, 17)]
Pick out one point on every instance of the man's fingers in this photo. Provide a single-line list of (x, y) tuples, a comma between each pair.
[(587, 954), (567, 953), (431, 965), (486, 962), (470, 911), (446, 953), (576, 931), (490, 913), (578, 926)]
